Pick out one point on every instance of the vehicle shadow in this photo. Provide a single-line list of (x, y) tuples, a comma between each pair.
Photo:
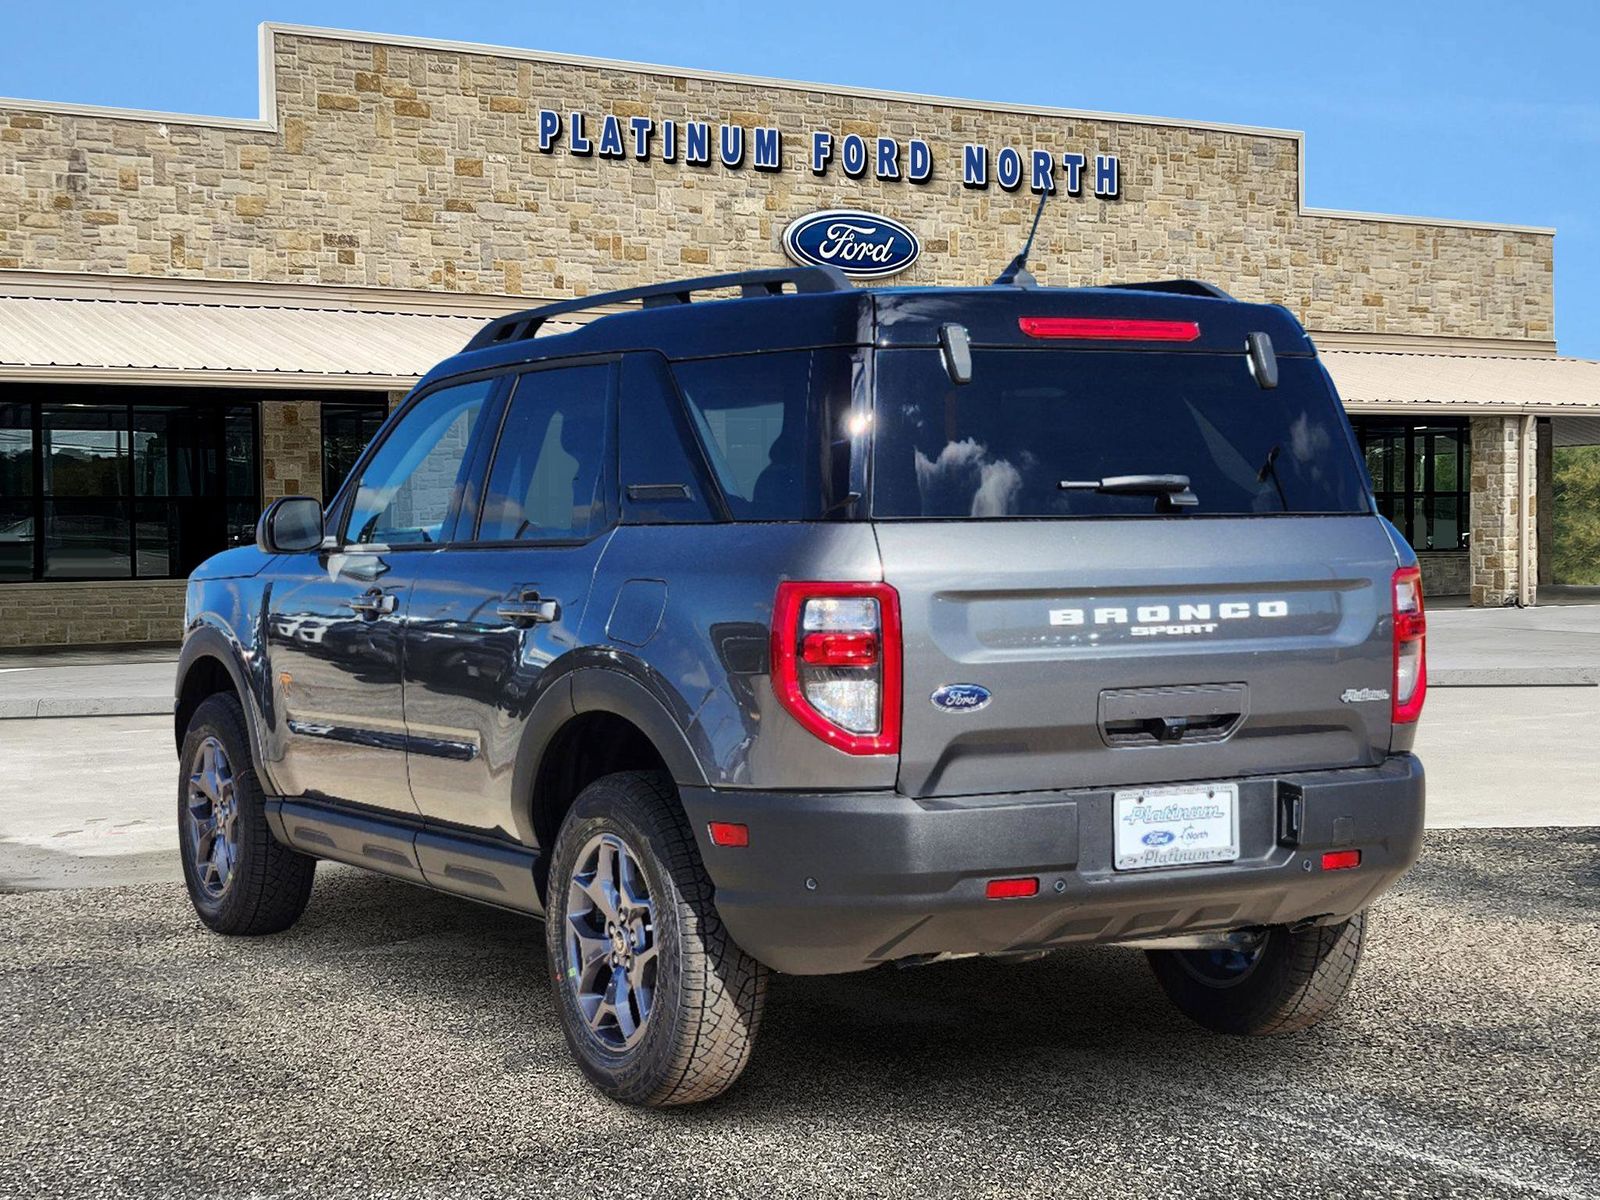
[(887, 1042)]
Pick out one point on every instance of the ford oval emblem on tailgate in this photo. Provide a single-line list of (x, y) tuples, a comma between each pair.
[(961, 697), (859, 244)]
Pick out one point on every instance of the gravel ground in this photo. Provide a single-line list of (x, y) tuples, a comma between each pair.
[(402, 1043)]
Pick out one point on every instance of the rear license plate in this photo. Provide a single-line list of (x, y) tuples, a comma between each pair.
[(1185, 826)]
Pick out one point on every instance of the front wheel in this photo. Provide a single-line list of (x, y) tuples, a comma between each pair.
[(240, 878), (1290, 980), (658, 1004)]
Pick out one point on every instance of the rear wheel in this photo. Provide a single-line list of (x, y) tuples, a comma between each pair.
[(240, 878), (658, 1004), (1289, 980)]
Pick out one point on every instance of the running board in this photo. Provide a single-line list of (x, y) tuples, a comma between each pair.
[(463, 864)]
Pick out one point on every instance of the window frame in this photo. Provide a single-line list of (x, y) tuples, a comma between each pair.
[(1413, 495), (483, 462), (379, 406)]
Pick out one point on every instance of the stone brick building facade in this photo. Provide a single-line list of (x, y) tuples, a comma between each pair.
[(402, 177)]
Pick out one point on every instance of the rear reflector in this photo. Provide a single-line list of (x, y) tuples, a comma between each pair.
[(1109, 329), (1012, 889), (1341, 860), (726, 833)]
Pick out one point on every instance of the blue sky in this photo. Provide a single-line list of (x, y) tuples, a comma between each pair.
[(1467, 110)]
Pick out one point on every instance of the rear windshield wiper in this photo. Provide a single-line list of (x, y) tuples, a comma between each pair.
[(1172, 490)]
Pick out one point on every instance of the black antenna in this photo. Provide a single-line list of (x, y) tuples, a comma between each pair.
[(1016, 271)]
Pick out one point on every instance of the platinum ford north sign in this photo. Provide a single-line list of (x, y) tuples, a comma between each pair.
[(860, 244)]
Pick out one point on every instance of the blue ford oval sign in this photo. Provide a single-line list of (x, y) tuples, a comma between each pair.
[(961, 697), (859, 244), (1157, 837)]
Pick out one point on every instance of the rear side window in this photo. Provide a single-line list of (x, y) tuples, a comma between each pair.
[(774, 429), (1001, 445), (547, 481)]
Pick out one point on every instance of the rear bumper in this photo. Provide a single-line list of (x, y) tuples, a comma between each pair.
[(837, 882)]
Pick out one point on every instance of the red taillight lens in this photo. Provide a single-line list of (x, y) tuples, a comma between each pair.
[(1341, 860), (1012, 889), (839, 649), (1109, 329), (1410, 683), (836, 662)]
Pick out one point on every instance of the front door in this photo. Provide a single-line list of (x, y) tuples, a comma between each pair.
[(334, 618), (492, 612)]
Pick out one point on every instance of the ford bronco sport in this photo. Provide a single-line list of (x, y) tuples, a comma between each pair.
[(812, 629)]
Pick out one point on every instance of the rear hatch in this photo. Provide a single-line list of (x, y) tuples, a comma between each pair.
[(1058, 638)]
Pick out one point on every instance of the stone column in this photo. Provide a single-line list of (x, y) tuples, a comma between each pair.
[(395, 398), (291, 449), (1544, 503), (1498, 514)]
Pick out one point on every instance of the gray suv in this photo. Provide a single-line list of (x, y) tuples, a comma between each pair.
[(812, 629)]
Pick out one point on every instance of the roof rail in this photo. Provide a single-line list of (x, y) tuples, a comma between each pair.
[(1180, 287), (517, 326)]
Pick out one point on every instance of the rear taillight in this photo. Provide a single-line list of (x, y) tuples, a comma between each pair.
[(836, 662), (1410, 646), (1109, 329)]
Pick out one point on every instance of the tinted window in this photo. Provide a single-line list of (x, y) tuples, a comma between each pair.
[(1000, 445), (547, 478), (409, 484), (774, 429), (663, 481)]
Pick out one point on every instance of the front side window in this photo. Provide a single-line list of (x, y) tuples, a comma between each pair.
[(547, 481), (1031, 420), (410, 484), (775, 429)]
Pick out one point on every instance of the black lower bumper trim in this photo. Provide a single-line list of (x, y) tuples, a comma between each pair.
[(837, 882)]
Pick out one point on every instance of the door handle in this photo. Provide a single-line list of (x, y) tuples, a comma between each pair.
[(373, 603), (530, 609)]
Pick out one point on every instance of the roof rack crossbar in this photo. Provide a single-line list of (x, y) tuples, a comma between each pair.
[(769, 282), (1179, 287)]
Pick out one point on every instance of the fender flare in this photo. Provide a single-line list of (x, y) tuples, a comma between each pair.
[(209, 641)]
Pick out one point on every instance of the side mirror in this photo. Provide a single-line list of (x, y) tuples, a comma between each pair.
[(291, 525), (1263, 359)]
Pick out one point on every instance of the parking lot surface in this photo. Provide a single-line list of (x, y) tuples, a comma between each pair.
[(401, 1043)]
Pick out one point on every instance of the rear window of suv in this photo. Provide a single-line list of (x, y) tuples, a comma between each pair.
[(1001, 445)]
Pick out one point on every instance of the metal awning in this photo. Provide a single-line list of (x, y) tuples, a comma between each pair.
[(1372, 381), (127, 341)]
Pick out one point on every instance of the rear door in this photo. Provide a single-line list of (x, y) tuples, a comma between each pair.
[(493, 611), (1114, 639)]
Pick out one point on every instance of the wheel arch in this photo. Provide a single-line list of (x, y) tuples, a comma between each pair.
[(208, 665), (606, 721)]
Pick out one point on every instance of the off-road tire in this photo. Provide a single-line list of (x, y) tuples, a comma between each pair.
[(270, 883), (708, 994), (1299, 979)]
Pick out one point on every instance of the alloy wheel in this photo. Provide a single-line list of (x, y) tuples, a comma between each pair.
[(213, 813), (611, 941)]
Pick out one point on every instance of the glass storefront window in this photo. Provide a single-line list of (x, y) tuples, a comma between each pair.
[(1421, 475), (347, 429), (118, 483)]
